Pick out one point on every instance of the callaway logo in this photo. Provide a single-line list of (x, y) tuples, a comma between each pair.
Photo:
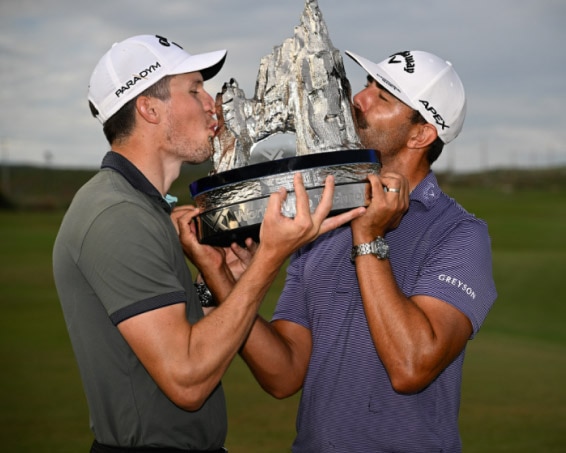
[(165, 42), (408, 58)]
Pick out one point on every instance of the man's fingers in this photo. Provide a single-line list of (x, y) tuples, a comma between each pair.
[(301, 197), (333, 222), (243, 254), (326, 201)]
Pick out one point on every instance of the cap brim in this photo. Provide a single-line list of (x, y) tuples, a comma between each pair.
[(381, 76), (208, 64)]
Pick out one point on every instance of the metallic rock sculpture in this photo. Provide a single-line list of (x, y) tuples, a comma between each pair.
[(301, 88)]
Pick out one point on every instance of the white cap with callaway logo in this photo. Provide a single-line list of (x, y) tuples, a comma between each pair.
[(425, 83), (135, 64)]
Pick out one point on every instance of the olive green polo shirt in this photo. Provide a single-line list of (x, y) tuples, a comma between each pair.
[(117, 255)]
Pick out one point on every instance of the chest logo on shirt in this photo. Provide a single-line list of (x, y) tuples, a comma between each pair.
[(458, 283)]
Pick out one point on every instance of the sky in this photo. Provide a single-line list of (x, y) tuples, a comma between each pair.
[(509, 54)]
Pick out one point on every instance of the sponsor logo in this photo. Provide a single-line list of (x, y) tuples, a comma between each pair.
[(458, 283), (143, 74), (405, 57), (437, 117), (384, 81), (165, 42), (408, 60)]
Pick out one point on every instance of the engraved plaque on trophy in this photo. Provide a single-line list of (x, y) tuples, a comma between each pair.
[(301, 89)]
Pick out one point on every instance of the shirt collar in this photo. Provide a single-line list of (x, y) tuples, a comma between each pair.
[(136, 178), (427, 191)]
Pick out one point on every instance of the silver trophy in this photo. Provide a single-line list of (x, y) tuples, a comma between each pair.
[(301, 89)]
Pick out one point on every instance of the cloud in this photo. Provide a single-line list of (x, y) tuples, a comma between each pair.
[(508, 53)]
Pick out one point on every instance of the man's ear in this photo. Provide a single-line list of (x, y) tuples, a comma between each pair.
[(423, 136), (148, 108)]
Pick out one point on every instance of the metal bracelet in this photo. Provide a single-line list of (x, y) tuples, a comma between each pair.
[(205, 296)]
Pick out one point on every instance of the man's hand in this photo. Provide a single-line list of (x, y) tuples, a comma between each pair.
[(389, 202), (206, 258), (238, 258), (283, 235), (182, 211)]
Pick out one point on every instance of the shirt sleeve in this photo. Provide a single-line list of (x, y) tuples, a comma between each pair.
[(458, 270), (292, 304), (127, 259)]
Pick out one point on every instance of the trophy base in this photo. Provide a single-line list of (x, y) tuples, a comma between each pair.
[(234, 202)]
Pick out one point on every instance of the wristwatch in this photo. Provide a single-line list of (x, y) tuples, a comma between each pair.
[(204, 295), (377, 247)]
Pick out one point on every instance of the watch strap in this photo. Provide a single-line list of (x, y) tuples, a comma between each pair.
[(205, 296), (377, 247)]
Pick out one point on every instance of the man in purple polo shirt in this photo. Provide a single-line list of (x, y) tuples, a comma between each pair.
[(374, 318)]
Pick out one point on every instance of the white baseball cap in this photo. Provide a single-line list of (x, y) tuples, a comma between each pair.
[(135, 64), (425, 83)]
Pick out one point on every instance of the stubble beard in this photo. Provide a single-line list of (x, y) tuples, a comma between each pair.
[(387, 142), (189, 150), (200, 153)]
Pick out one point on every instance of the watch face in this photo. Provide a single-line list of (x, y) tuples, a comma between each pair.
[(381, 248)]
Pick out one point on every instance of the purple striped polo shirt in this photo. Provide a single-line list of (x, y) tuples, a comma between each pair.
[(347, 403)]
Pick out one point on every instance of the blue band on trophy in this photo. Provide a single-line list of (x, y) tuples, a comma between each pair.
[(233, 210)]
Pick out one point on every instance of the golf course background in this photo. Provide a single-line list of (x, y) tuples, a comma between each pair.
[(514, 389)]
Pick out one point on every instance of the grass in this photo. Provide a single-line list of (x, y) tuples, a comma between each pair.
[(514, 397), (42, 405)]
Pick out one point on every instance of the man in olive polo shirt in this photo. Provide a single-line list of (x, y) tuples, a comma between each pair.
[(150, 361)]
